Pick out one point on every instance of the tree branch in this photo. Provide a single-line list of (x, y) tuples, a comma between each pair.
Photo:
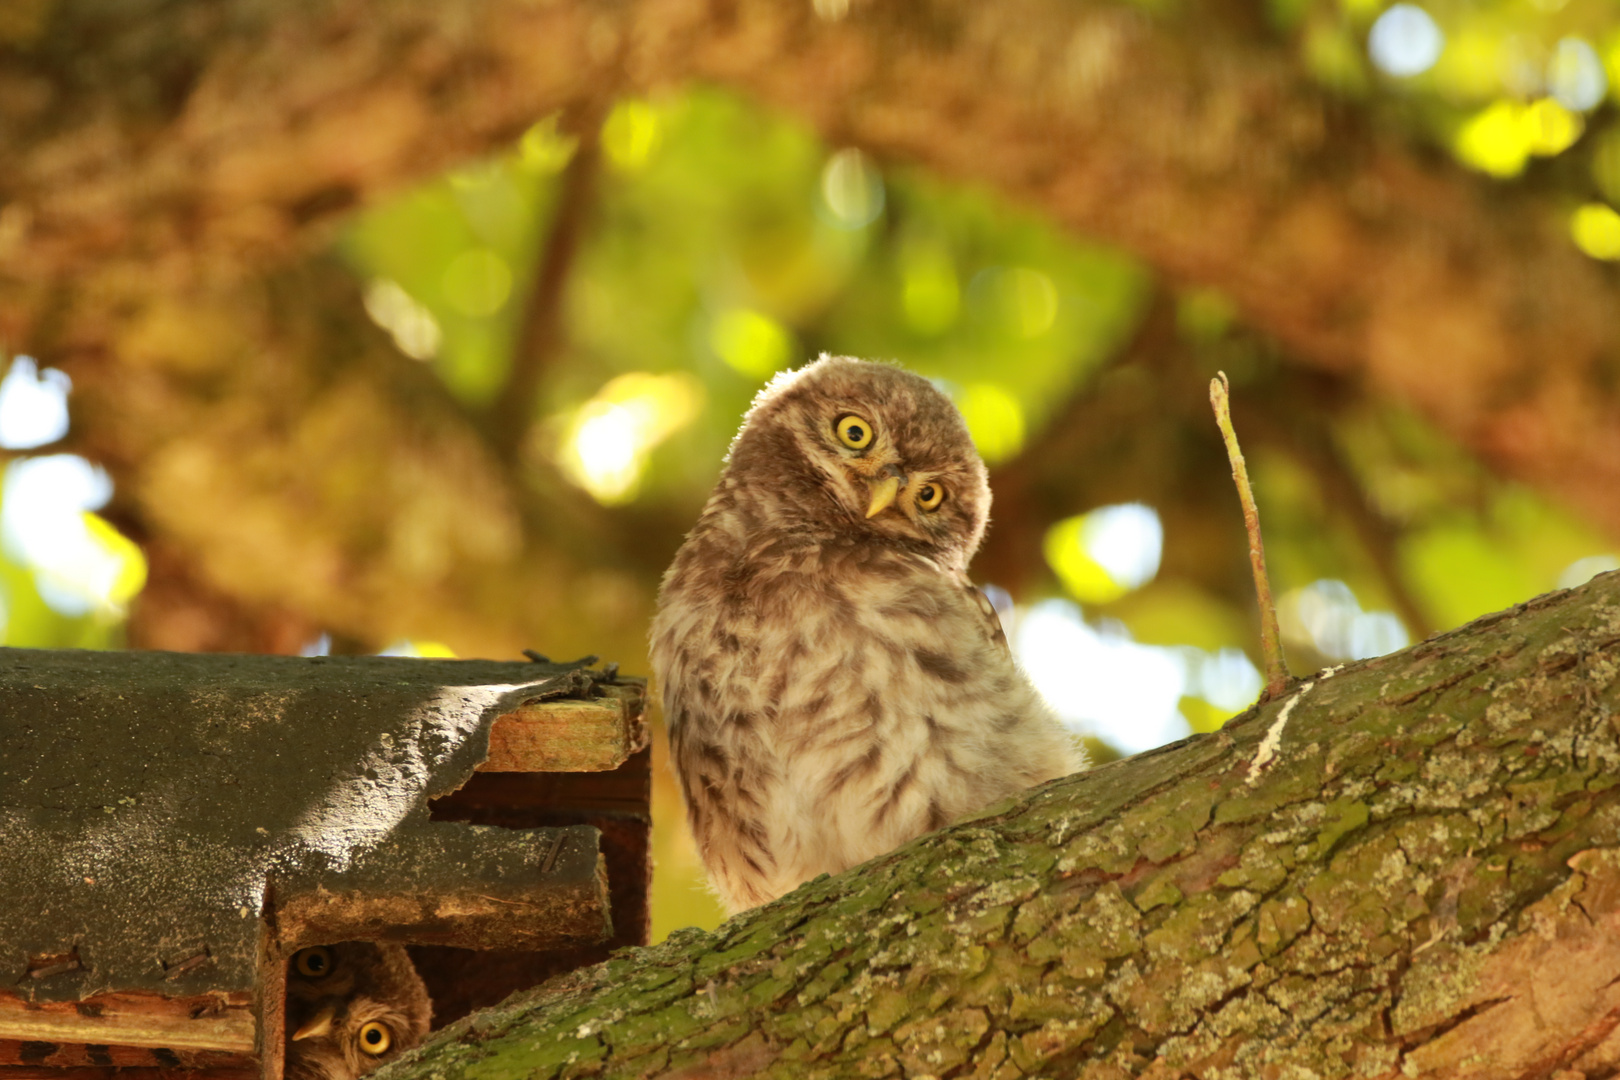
[(1423, 881), (1196, 143), (543, 334)]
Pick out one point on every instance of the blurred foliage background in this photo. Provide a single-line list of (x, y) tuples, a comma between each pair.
[(602, 296)]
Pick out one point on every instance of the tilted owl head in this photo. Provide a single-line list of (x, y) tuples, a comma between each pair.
[(351, 1007), (866, 449)]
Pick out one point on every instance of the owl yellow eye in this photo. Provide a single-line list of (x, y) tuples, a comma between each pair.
[(929, 496), (375, 1039), (853, 432), (313, 963)]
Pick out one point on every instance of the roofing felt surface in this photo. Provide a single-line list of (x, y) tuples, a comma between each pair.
[(150, 802)]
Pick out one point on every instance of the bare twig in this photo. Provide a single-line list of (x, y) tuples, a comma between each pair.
[(1270, 635), (1312, 444)]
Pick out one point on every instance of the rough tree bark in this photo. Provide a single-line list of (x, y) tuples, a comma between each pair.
[(1410, 867), (163, 157)]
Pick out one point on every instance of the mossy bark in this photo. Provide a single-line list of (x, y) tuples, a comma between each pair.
[(1409, 867)]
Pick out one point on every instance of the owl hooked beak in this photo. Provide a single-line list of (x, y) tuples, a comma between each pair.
[(884, 487), (317, 1025)]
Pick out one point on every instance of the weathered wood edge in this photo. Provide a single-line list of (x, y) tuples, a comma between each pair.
[(134, 1020), (569, 734)]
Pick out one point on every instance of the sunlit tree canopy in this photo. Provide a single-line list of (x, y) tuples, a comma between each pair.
[(464, 390)]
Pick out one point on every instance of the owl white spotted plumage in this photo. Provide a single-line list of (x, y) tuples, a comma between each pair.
[(833, 684), (350, 1008)]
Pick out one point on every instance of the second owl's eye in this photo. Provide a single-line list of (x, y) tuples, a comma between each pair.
[(853, 431), (313, 963), (375, 1039), (929, 496)]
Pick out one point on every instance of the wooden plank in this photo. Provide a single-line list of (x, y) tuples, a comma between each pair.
[(569, 735), (54, 1057), (616, 803), (211, 1022), (91, 1072)]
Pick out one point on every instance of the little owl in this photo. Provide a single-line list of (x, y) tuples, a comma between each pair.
[(833, 684), (351, 1007)]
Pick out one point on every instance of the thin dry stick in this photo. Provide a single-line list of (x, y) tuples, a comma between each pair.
[(1270, 635)]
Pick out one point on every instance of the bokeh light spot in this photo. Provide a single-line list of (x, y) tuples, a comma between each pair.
[(1100, 680), (1405, 41), (994, 420), (1575, 75), (1581, 571), (1550, 128), (1327, 616), (929, 292), (852, 189), (1107, 553), (750, 343), (630, 135), (435, 650), (81, 563), (1595, 229), (543, 149), (1228, 679), (477, 282), (1495, 140), (1611, 64), (33, 405), (414, 330), (1032, 299), (606, 444)]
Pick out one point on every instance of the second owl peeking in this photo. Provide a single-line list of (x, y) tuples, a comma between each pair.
[(833, 684)]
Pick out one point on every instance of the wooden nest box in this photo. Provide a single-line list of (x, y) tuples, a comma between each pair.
[(173, 827)]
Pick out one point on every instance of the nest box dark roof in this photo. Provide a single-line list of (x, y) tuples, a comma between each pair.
[(164, 815)]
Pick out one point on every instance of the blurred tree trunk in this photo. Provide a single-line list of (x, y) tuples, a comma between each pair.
[(172, 167), (1407, 868)]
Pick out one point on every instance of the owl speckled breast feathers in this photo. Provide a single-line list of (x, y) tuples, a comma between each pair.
[(350, 1008), (833, 684)]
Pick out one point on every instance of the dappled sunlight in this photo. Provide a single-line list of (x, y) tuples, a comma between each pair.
[(1326, 616), (433, 650), (82, 565), (1581, 571), (1023, 300), (544, 149), (1502, 138), (415, 331), (33, 405), (751, 343), (1595, 228), (1102, 555), (994, 419), (1100, 681), (1575, 75), (1405, 41), (852, 190), (929, 292), (1130, 695), (607, 442), (630, 135)]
